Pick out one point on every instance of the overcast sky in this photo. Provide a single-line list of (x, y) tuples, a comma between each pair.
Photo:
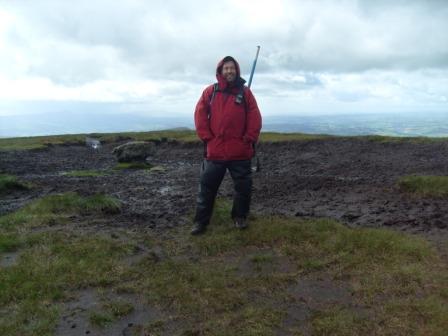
[(317, 57)]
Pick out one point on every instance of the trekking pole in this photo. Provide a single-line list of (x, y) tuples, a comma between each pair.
[(253, 67), (257, 169)]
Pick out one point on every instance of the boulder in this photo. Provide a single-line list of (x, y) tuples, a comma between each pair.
[(135, 151)]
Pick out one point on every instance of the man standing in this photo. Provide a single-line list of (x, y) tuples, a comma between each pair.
[(228, 121)]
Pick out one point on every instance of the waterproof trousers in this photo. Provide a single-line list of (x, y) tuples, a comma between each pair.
[(212, 174)]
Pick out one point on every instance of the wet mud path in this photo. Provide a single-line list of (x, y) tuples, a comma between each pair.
[(350, 180)]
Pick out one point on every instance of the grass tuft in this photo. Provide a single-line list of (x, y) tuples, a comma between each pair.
[(100, 319), (47, 210), (9, 242), (133, 165), (432, 186), (73, 203), (9, 183), (86, 173), (119, 308), (339, 321)]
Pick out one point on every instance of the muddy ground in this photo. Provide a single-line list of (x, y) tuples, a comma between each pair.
[(350, 180)]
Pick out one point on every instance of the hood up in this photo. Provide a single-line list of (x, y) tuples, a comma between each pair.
[(222, 82)]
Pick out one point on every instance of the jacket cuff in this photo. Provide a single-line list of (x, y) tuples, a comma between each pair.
[(207, 138)]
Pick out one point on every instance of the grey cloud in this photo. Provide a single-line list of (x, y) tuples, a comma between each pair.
[(299, 81), (155, 40), (90, 40), (354, 36)]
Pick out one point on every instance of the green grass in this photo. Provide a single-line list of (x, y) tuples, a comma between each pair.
[(111, 311), (24, 143), (340, 321), (100, 319), (261, 258), (86, 173), (226, 282), (278, 137), (72, 202), (119, 166), (133, 165), (385, 270), (432, 186), (402, 139), (52, 264), (119, 308), (55, 209), (9, 183), (39, 142), (158, 169), (9, 242)]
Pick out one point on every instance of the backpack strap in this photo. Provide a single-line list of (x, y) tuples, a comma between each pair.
[(239, 97), (215, 89)]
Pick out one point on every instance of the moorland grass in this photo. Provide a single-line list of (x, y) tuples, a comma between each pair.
[(384, 269), (86, 173), (401, 139), (39, 142), (133, 165), (9, 183), (398, 279), (50, 264), (432, 186), (54, 209)]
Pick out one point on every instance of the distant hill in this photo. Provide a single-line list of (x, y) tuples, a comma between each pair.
[(85, 122), (413, 124), (394, 124)]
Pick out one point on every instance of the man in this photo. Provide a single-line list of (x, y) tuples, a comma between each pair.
[(228, 121)]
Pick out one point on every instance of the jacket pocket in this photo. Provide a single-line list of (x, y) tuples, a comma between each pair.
[(237, 148), (214, 148)]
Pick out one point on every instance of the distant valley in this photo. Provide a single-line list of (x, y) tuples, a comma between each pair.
[(412, 124)]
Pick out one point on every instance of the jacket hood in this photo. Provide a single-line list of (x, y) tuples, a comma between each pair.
[(222, 82)]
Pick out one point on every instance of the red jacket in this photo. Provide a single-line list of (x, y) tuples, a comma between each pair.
[(232, 128)]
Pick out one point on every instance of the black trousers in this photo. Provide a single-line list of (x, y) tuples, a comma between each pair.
[(212, 174)]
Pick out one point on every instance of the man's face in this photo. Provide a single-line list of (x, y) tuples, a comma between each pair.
[(229, 71)]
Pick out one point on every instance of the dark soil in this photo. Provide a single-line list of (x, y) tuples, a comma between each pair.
[(350, 180)]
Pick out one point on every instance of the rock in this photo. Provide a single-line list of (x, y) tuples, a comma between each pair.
[(350, 216), (134, 151), (93, 143), (301, 213), (440, 224)]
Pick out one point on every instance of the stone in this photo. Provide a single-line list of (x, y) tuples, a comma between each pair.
[(134, 151)]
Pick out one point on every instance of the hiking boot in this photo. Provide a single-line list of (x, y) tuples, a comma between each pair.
[(240, 223), (198, 229)]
